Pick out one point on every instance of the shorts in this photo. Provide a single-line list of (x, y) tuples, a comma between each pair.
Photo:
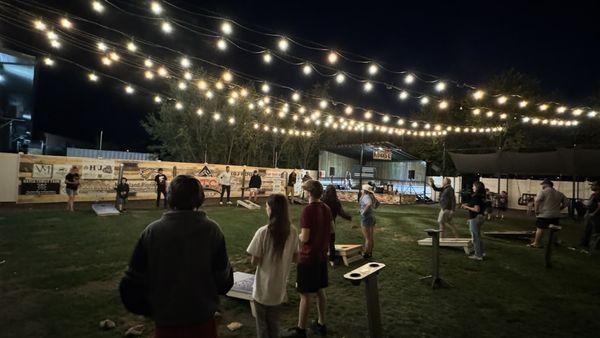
[(544, 223), (71, 192), (445, 216), (367, 221), (311, 277), (253, 189), (289, 189)]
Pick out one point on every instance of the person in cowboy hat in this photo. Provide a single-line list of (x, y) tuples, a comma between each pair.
[(367, 204), (592, 216), (548, 204)]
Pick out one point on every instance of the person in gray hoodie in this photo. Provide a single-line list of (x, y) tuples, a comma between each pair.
[(179, 267), (447, 206)]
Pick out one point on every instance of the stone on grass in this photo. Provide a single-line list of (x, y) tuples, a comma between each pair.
[(134, 331), (233, 326), (107, 324)]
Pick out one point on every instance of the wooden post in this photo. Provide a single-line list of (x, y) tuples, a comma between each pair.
[(436, 280), (373, 308), (551, 239), (243, 182)]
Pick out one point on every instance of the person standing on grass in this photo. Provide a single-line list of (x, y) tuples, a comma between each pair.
[(367, 204), (72, 185), (161, 187), (501, 204), (254, 185), (548, 204), (122, 194), (315, 233), (225, 182), (592, 216), (179, 267), (273, 249), (447, 206), (476, 207), (289, 187), (332, 201)]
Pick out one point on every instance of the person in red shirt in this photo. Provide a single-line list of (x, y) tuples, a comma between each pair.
[(316, 228)]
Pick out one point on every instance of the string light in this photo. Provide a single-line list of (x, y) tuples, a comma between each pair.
[(51, 35), (157, 99), (93, 77), (156, 8), (149, 75), (166, 27), (39, 25), (97, 6), (424, 100), (132, 47), (66, 23), (296, 96), (348, 110), (129, 89), (222, 44), (231, 120), (182, 85), (265, 88), (478, 94), (307, 69), (561, 109), (543, 107), (226, 28), (179, 106), (373, 69), (267, 57), (577, 112), (323, 104), (48, 61), (162, 71), (403, 95), (55, 44), (332, 57), (106, 61), (340, 78), (283, 44), (440, 86), (185, 62), (409, 78), (443, 104), (187, 76), (523, 104), (502, 99), (102, 46), (148, 63), (216, 116), (199, 112), (114, 56), (367, 87)]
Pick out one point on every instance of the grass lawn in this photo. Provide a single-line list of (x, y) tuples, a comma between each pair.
[(60, 274)]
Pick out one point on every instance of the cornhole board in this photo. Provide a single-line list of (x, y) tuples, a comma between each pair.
[(510, 234), (247, 204), (298, 200), (103, 209), (242, 288), (350, 253), (449, 242)]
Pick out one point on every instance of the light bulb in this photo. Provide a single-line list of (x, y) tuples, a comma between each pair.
[(265, 88), (267, 57), (178, 106), (185, 62), (216, 116), (409, 78), (478, 94), (48, 61), (502, 99), (166, 27), (226, 28), (187, 75), (340, 78), (414, 125), (489, 113), (231, 120), (132, 47), (251, 106), (162, 71), (114, 56), (592, 113), (243, 92), (93, 77), (476, 111), (106, 61), (332, 57), (97, 6), (443, 104), (55, 44), (385, 118), (222, 44), (561, 109), (199, 112), (39, 25), (66, 23), (209, 94), (373, 69), (296, 96), (202, 85), (148, 63), (227, 76), (424, 100), (149, 75), (577, 112), (368, 86), (400, 122), (307, 69), (157, 99), (368, 114), (543, 107), (129, 89), (51, 35), (440, 86), (155, 7), (503, 116), (182, 85), (283, 44), (403, 95), (348, 110), (523, 104), (526, 119), (219, 85), (102, 46), (323, 104)]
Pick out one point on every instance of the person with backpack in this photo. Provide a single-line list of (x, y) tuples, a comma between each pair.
[(368, 203), (273, 249), (331, 199)]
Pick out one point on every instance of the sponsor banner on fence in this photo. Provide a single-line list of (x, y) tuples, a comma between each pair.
[(37, 186), (98, 170), (41, 170), (59, 171)]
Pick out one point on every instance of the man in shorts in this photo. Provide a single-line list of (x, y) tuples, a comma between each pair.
[(316, 228), (289, 187), (447, 206), (72, 185), (548, 204)]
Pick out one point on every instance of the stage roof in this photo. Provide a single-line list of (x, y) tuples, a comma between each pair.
[(353, 151)]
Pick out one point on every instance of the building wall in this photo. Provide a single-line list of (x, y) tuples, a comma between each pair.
[(340, 163), (398, 171), (9, 169)]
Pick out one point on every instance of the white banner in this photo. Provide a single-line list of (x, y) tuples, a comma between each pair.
[(59, 171), (99, 170), (41, 170)]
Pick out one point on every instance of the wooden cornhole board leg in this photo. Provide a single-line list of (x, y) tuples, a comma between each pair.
[(350, 253), (248, 205), (464, 243)]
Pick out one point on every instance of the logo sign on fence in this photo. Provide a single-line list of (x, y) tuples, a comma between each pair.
[(382, 154), (41, 170), (39, 187), (99, 170)]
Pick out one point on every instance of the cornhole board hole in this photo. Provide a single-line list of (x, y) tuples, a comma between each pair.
[(464, 243), (350, 253), (510, 234), (298, 200), (105, 209), (247, 204), (242, 288)]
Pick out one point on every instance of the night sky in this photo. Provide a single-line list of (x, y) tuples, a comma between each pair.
[(557, 43)]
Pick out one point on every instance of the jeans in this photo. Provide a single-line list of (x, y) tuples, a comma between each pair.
[(223, 189), (591, 227), (160, 191), (267, 320), (475, 227)]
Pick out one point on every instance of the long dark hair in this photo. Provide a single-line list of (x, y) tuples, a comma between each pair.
[(479, 190), (279, 222), (330, 196)]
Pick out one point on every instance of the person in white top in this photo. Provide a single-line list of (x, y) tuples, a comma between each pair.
[(548, 205), (273, 249), (225, 182)]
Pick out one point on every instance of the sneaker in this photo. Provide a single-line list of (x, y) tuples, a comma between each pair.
[(320, 329), (220, 203), (477, 258), (229, 202), (294, 332)]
